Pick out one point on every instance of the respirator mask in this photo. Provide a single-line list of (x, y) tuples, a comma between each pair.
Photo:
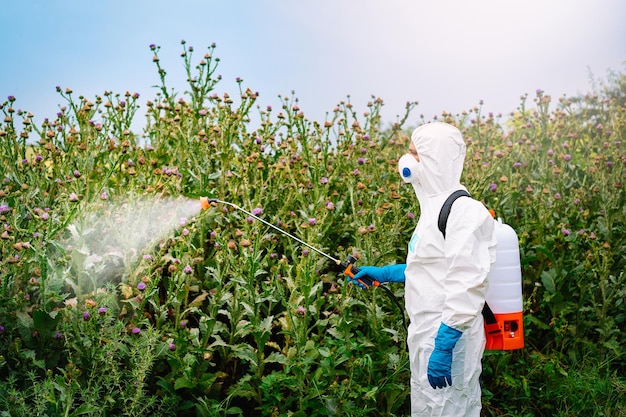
[(408, 167)]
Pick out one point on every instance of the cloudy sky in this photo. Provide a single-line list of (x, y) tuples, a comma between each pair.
[(446, 54)]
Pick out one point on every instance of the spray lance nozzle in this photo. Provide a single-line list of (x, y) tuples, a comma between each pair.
[(347, 267), (205, 202)]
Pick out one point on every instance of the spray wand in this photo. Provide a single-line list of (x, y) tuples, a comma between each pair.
[(347, 267)]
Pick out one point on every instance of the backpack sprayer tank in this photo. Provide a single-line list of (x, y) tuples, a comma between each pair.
[(503, 308), (504, 294)]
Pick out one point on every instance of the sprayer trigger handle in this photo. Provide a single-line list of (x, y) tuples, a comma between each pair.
[(351, 271)]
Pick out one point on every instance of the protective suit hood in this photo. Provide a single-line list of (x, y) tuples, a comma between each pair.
[(441, 151)]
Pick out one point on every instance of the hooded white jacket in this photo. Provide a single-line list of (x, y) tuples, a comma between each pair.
[(446, 278)]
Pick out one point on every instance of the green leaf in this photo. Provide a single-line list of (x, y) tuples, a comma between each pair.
[(86, 409), (247, 353), (324, 351), (534, 320), (45, 322), (183, 382), (276, 357), (547, 279)]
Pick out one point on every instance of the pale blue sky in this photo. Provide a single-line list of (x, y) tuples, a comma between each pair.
[(446, 54)]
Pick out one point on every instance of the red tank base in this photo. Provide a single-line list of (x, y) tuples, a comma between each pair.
[(507, 333)]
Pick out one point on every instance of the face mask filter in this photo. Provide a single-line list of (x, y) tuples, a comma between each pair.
[(408, 168)]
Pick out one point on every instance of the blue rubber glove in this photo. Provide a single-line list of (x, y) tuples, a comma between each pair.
[(389, 273), (440, 363)]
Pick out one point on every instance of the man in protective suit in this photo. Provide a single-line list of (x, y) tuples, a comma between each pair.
[(445, 278)]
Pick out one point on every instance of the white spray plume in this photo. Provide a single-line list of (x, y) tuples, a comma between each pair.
[(107, 240)]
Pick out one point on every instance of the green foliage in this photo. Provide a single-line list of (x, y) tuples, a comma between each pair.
[(103, 314)]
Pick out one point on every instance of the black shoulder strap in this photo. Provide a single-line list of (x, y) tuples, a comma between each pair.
[(447, 206), (489, 317)]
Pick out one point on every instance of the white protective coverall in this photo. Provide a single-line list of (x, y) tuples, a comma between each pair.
[(446, 278)]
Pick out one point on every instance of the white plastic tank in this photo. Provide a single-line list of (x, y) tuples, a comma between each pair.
[(504, 293)]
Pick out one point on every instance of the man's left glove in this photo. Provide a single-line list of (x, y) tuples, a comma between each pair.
[(440, 363)]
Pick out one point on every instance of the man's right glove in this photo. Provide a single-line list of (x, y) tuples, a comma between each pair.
[(389, 273)]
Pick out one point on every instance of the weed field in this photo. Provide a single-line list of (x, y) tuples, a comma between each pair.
[(120, 296)]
